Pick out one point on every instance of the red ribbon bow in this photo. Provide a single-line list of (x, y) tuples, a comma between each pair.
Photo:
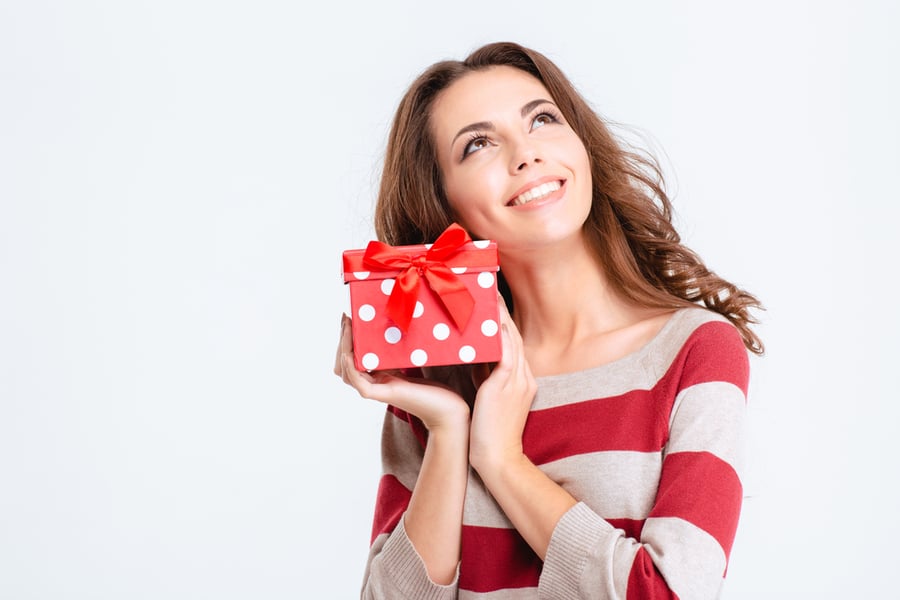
[(431, 265)]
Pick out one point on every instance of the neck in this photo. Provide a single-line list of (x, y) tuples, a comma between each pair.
[(561, 294)]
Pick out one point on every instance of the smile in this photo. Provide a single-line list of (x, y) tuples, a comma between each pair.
[(535, 193)]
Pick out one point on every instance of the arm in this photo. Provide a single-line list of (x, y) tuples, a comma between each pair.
[(416, 542), (532, 501), (687, 537), (418, 512), (684, 543), (683, 547)]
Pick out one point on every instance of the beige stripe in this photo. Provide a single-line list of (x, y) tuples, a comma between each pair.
[(672, 339), (709, 417), (691, 560), (613, 484), (401, 454), (481, 510), (640, 370), (586, 555), (507, 594)]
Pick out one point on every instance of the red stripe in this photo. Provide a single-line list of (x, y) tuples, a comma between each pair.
[(714, 352), (701, 488), (631, 527), (495, 559), (637, 420), (645, 582), (390, 504)]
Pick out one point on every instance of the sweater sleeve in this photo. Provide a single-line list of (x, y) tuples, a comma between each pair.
[(684, 543), (394, 569)]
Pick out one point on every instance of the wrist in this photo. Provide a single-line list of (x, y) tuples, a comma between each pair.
[(450, 426), (490, 464)]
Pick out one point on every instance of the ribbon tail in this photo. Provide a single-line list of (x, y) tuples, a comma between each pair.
[(453, 293), (402, 303)]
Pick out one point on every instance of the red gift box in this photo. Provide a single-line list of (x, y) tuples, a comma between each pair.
[(424, 305)]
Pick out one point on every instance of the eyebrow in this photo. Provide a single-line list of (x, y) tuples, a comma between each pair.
[(488, 126)]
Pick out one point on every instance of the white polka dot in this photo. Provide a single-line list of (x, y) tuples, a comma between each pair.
[(428, 246), (441, 331), (366, 312), (485, 279), (361, 274), (489, 328), (370, 361), (387, 287), (420, 308), (458, 270), (392, 335), (467, 354), (418, 357), (482, 244)]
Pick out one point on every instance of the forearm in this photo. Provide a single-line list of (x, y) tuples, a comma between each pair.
[(433, 520), (533, 502)]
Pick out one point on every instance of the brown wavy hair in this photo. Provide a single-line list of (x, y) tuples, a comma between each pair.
[(630, 222)]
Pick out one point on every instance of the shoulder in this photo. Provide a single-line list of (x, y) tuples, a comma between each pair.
[(696, 326), (701, 345)]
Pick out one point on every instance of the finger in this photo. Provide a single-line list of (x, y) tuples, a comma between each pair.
[(346, 335), (507, 354), (345, 348), (340, 345), (504, 310), (506, 318), (346, 367), (516, 352), (361, 381)]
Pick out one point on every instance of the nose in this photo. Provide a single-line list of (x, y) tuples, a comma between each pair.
[(524, 153)]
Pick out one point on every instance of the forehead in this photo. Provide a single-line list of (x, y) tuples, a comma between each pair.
[(484, 95)]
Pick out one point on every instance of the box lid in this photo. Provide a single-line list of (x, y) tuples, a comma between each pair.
[(478, 255)]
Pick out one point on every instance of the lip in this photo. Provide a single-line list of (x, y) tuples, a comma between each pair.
[(533, 184)]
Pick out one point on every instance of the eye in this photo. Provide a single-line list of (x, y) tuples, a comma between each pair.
[(477, 142), (545, 117)]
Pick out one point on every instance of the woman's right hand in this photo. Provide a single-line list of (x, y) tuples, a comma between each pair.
[(436, 405)]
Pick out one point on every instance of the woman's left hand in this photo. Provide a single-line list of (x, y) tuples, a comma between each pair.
[(532, 501), (502, 403)]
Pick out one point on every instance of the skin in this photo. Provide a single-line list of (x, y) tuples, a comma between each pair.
[(494, 140)]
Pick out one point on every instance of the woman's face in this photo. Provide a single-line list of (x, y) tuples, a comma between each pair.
[(513, 170)]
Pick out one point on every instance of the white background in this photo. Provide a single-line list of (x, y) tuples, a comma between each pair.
[(178, 179)]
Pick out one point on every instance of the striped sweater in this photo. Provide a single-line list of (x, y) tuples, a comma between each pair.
[(648, 445)]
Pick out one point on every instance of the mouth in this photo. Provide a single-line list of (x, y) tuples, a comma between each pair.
[(537, 192)]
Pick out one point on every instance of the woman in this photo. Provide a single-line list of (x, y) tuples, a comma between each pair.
[(599, 457)]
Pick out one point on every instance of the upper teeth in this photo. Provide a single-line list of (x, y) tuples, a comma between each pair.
[(536, 192)]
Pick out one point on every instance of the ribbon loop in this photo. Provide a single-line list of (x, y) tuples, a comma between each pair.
[(430, 265)]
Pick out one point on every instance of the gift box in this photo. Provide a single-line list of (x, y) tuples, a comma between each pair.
[(424, 305)]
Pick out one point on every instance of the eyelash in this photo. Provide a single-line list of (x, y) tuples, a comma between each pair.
[(480, 135), (554, 116)]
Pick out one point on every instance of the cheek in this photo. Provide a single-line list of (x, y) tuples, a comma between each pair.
[(579, 154), (582, 160), (455, 193), (465, 210), (473, 192)]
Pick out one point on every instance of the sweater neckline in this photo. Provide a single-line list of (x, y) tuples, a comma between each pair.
[(630, 357)]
